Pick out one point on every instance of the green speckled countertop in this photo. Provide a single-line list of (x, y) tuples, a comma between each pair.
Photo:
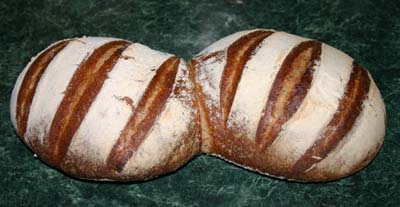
[(367, 30)]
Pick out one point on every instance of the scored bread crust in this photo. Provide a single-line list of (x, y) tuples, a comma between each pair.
[(272, 102), (306, 123), (84, 98)]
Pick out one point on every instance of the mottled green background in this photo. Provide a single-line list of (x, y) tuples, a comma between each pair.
[(367, 30)]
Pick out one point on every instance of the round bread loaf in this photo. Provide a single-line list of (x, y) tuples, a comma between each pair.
[(106, 109), (287, 106)]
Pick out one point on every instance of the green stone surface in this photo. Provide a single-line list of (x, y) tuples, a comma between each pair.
[(367, 30)]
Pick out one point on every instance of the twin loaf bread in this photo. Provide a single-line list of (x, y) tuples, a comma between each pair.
[(287, 106), (279, 104), (106, 109)]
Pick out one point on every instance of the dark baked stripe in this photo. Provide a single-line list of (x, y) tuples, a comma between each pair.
[(238, 54), (148, 109), (217, 55), (350, 107), (206, 131), (290, 87), (30, 82), (79, 95)]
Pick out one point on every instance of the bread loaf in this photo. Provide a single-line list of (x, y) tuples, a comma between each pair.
[(287, 106), (106, 109), (272, 102)]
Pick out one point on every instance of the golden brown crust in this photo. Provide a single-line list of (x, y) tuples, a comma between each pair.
[(243, 48), (350, 107), (238, 54), (316, 174), (217, 55), (241, 150), (81, 92), (207, 131), (148, 109), (288, 91), (86, 168), (185, 150), (245, 152), (30, 82)]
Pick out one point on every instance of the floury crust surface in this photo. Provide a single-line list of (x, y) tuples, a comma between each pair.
[(296, 152)]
